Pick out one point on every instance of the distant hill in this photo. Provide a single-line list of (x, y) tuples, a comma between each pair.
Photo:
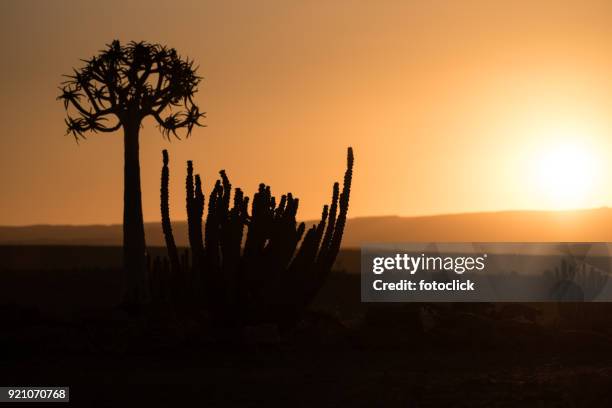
[(509, 226)]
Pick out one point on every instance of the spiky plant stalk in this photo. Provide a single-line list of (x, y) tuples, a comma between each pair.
[(195, 208), (165, 215), (329, 256), (198, 211), (189, 202)]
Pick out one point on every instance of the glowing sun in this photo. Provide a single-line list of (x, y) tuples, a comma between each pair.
[(565, 175)]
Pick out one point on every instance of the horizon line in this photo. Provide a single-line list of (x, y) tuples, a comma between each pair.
[(424, 215)]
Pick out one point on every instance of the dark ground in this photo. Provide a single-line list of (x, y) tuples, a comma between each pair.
[(60, 327)]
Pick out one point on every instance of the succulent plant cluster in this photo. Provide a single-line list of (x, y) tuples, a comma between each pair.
[(249, 262)]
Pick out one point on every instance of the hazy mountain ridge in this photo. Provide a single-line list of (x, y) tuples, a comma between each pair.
[(508, 226)]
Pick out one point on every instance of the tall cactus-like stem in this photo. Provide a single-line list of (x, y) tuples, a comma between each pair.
[(195, 208), (198, 211), (165, 215), (189, 201), (329, 232), (343, 204), (335, 231)]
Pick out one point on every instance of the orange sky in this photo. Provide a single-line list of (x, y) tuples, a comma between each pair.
[(447, 103)]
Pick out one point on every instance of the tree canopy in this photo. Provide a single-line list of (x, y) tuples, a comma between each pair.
[(125, 83)]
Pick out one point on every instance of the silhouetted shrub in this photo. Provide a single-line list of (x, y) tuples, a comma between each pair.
[(269, 274)]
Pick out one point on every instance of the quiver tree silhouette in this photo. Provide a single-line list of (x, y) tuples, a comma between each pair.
[(272, 274), (116, 89)]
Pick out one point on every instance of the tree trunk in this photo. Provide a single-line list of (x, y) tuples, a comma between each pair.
[(134, 247)]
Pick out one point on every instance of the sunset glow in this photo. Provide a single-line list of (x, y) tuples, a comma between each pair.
[(499, 105), (566, 175)]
